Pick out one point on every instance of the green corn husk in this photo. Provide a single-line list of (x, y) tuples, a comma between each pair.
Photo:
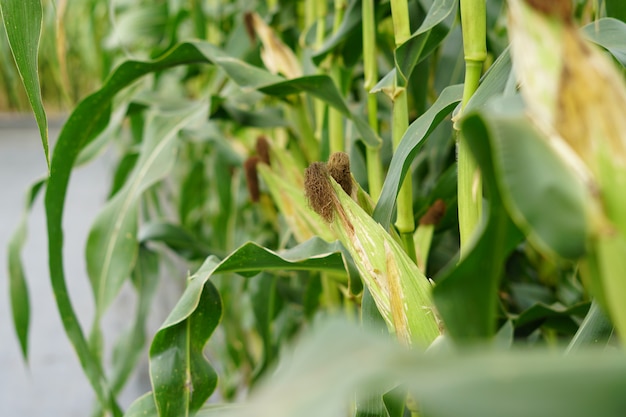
[(575, 93), (400, 290)]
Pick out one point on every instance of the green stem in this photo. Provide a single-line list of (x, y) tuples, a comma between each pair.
[(319, 107), (310, 145), (409, 245), (400, 123), (370, 69), (329, 292), (469, 193), (310, 13), (340, 10), (473, 22), (422, 239), (400, 17), (335, 118)]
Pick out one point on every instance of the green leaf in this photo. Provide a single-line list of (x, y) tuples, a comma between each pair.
[(112, 244), (263, 296), (595, 330), (541, 193), (181, 377), (122, 171), (18, 288), (193, 194), (89, 118), (411, 143), (145, 277), (609, 34), (314, 254), (324, 88), (539, 312), (175, 237), (267, 117), (349, 25), (616, 9), (426, 38), (22, 22), (337, 360), (143, 406), (466, 294), (130, 344)]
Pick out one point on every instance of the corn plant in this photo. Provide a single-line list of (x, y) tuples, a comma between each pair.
[(425, 194)]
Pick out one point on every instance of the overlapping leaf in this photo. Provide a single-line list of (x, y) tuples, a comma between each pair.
[(181, 376), (411, 143), (112, 243), (424, 40), (87, 120), (329, 365), (494, 83)]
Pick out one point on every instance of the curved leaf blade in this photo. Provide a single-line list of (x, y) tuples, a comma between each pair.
[(88, 119), (608, 33), (323, 88), (494, 82), (112, 244), (184, 387), (328, 366), (411, 143), (18, 288), (426, 38), (540, 192), (22, 22), (181, 376)]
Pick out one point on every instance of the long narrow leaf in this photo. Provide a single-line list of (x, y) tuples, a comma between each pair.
[(609, 34), (112, 244), (337, 359), (86, 121), (22, 22), (18, 288), (411, 143), (425, 39)]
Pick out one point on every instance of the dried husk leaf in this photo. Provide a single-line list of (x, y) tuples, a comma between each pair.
[(276, 56)]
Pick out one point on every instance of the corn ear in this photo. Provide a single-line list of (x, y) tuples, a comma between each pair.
[(575, 93), (400, 290)]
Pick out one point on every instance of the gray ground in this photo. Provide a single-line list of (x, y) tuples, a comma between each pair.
[(53, 383)]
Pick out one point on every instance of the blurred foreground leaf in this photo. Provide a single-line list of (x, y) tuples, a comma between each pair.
[(336, 359)]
